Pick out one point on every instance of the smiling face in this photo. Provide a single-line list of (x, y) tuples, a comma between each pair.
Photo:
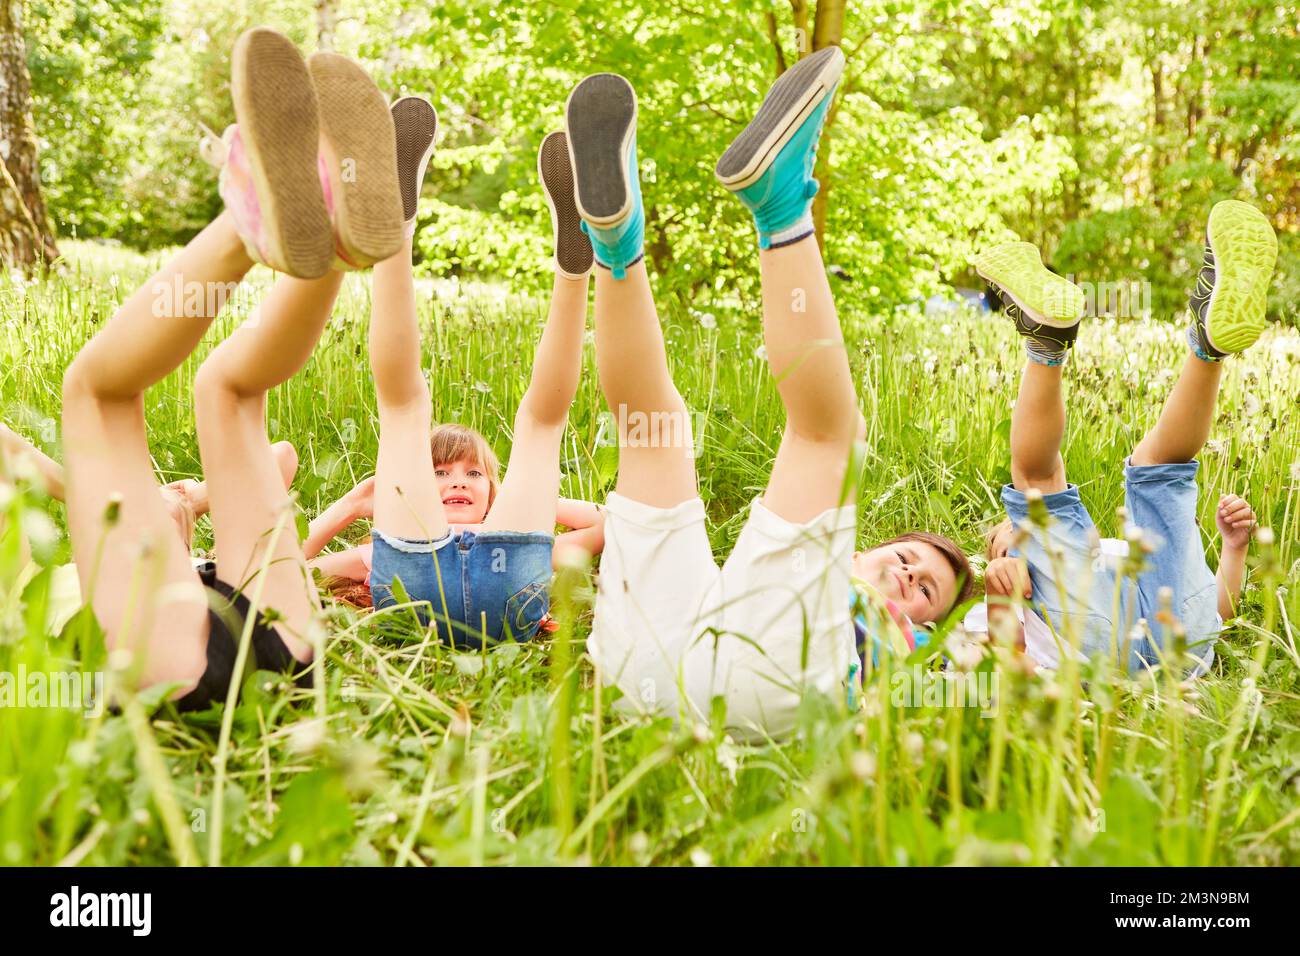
[(465, 489), (914, 575)]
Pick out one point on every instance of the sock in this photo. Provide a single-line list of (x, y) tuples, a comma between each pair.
[(1044, 353), (620, 246), (790, 234), (1195, 343)]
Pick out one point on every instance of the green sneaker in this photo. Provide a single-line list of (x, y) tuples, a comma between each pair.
[(1046, 308), (1231, 293)]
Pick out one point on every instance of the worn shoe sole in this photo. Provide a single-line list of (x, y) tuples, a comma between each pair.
[(276, 109), (415, 123), (600, 119), (792, 98), (1017, 269), (361, 159), (1245, 251), (573, 253)]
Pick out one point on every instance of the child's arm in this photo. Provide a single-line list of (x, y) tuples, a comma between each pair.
[(1006, 580), (14, 447), (1235, 519), (588, 523), (575, 513), (324, 528), (352, 564)]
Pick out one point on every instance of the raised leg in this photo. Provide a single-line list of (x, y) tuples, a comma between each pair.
[(527, 498), (406, 493), (135, 570), (805, 348), (1186, 418), (656, 465), (252, 513), (1038, 429)]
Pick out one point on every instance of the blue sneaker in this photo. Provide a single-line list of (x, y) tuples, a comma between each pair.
[(600, 119), (770, 164)]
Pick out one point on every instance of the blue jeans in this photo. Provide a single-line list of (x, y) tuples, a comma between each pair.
[(472, 585), (1161, 500)]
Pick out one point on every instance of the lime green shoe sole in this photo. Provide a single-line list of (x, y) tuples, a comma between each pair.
[(1017, 270), (1245, 250)]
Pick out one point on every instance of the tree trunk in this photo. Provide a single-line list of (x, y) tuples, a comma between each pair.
[(25, 235), (327, 18), (828, 30)]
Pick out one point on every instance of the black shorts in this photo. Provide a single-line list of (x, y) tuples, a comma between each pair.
[(227, 612)]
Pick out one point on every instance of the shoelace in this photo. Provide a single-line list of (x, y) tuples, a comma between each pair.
[(212, 148)]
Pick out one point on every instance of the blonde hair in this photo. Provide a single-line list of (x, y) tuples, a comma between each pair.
[(451, 443)]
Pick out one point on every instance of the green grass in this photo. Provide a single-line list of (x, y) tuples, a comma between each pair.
[(417, 755)]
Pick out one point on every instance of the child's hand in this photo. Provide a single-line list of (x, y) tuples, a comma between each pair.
[(1235, 519), (362, 498), (1008, 577)]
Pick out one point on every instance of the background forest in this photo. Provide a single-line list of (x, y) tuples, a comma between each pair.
[(1101, 129)]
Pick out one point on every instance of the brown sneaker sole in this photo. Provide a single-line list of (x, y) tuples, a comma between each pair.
[(573, 253), (416, 124), (361, 159), (275, 106)]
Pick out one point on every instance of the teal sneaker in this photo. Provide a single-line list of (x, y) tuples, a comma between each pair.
[(600, 120), (770, 164)]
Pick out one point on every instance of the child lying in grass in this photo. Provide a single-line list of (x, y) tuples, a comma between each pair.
[(1007, 580), (474, 555), (673, 630), (1076, 596), (309, 183)]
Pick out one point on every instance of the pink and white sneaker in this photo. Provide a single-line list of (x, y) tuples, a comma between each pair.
[(357, 163), (269, 165)]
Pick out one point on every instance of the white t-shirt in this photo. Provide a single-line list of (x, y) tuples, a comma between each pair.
[(1040, 644)]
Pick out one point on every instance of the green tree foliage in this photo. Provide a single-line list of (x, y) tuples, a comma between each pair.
[(1100, 129)]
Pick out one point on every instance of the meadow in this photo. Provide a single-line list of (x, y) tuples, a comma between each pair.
[(409, 753)]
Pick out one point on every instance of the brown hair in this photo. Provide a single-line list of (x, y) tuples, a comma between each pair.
[(448, 443), (952, 553)]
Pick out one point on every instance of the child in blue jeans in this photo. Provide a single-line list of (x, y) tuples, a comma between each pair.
[(1073, 588), (476, 558)]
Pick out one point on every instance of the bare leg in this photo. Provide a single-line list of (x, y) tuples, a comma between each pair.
[(655, 465), (406, 493), (526, 501), (137, 574), (1037, 430), (805, 349), (244, 480), (1185, 422)]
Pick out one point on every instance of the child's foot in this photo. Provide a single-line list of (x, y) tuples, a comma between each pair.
[(416, 123), (573, 255), (770, 164), (358, 157), (600, 121), (1231, 293), (1045, 307), (268, 159)]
